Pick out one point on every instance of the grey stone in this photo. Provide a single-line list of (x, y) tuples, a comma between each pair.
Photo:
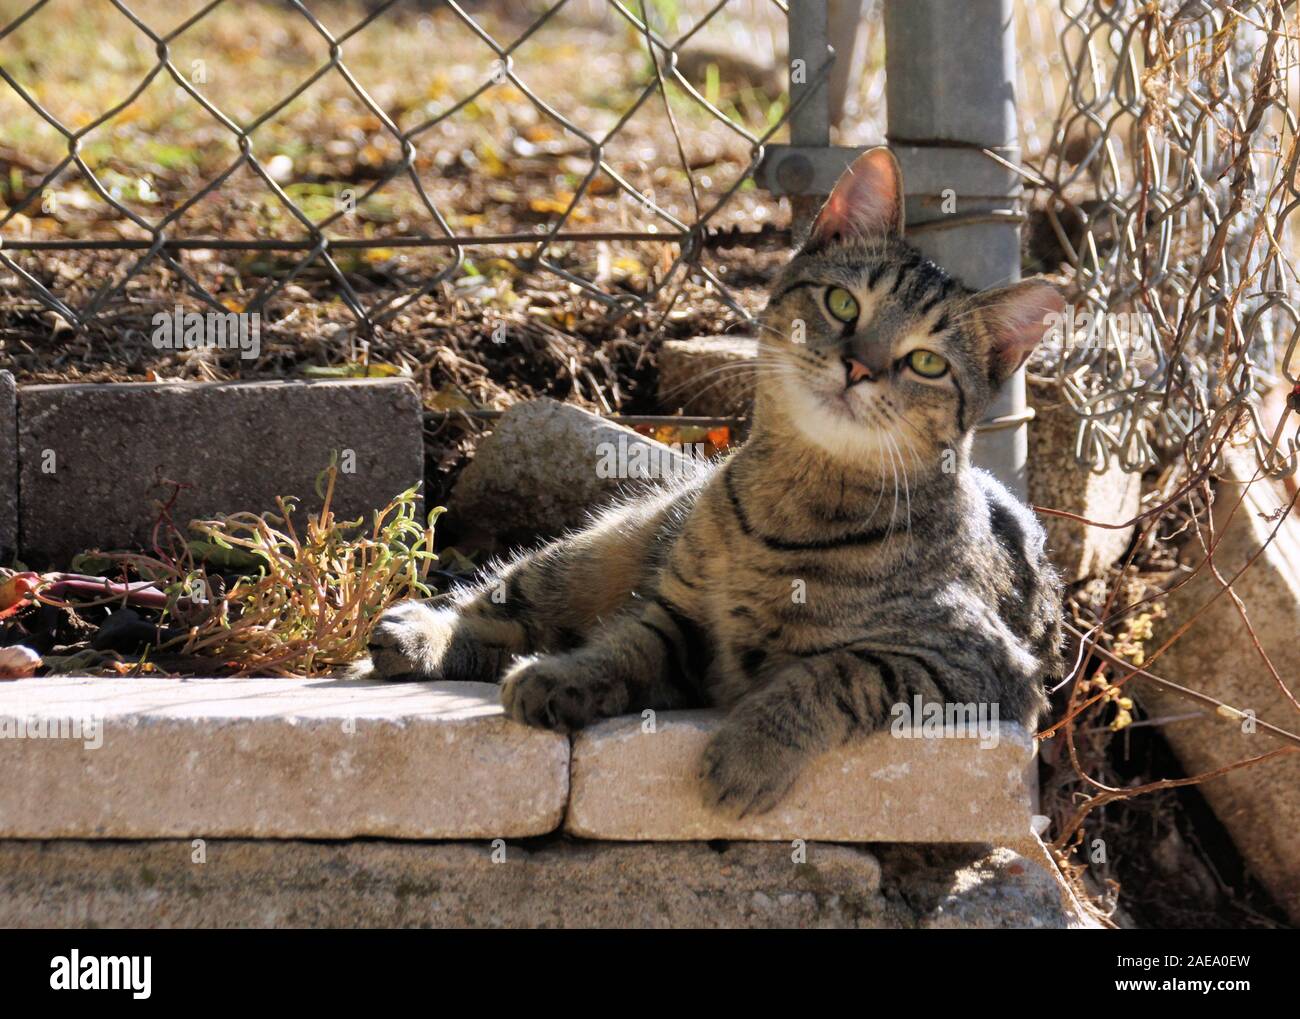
[(950, 888), (1258, 805), (92, 455), (632, 784), (712, 376), (547, 465), (1057, 482), (8, 467), (149, 757), (557, 883)]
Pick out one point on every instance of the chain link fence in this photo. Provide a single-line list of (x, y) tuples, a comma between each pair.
[(497, 73), (1165, 181), (1159, 156)]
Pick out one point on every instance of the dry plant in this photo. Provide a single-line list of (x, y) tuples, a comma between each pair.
[(316, 590)]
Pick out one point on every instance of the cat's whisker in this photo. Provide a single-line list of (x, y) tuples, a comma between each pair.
[(880, 498), (724, 372), (917, 460), (893, 516), (906, 493), (907, 488), (896, 417), (901, 419), (796, 344), (719, 377)]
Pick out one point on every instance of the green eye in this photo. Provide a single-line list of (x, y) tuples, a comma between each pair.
[(841, 304), (927, 363)]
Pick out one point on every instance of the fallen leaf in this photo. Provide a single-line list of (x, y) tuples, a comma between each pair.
[(556, 205), (450, 397), (351, 370)]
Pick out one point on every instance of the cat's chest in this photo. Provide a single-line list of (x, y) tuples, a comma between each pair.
[(761, 619), (791, 593)]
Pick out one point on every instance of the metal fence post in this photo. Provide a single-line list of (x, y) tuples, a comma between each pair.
[(810, 117), (950, 87), (843, 24)]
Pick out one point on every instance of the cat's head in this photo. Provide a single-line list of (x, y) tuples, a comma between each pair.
[(869, 349)]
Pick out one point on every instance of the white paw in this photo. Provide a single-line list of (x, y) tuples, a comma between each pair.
[(409, 640)]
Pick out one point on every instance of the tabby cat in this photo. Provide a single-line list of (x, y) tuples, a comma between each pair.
[(847, 559)]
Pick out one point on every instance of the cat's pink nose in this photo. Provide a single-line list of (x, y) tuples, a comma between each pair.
[(856, 371)]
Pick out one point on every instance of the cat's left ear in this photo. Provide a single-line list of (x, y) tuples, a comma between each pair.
[(867, 202), (1016, 319)]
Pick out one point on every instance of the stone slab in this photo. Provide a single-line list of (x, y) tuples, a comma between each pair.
[(712, 376), (630, 784), (553, 883), (546, 466), (272, 758), (8, 467), (1259, 805), (92, 455)]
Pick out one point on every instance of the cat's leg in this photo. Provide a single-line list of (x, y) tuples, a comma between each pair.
[(649, 656), (474, 635), (811, 706), (469, 642), (541, 601)]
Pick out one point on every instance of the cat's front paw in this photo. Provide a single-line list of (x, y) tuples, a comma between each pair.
[(550, 692), (746, 773), (410, 640)]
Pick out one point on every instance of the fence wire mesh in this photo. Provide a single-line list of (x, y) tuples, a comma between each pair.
[(405, 147), (1160, 154), (1165, 182)]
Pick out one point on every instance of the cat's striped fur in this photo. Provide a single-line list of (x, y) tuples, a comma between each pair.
[(846, 559)]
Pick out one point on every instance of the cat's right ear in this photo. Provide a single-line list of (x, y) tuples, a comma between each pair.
[(867, 202)]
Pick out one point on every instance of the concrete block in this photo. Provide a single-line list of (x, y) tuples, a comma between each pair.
[(1259, 805), (271, 758), (1057, 482), (635, 785), (92, 455), (708, 375), (996, 889), (558, 884)]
